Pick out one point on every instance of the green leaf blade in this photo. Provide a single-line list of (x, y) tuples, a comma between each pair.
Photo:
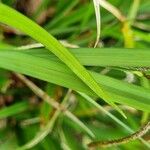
[(13, 18), (54, 71)]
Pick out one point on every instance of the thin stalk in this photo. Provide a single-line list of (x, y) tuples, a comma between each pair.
[(133, 11), (127, 31), (90, 100), (145, 83), (43, 133), (110, 8), (64, 144), (98, 20), (44, 96), (124, 140), (48, 128), (116, 12)]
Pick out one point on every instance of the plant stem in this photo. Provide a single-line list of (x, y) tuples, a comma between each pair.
[(90, 100), (133, 11), (127, 31), (113, 10), (129, 138), (44, 96)]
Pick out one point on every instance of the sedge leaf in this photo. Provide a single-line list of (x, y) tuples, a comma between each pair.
[(15, 19), (44, 67)]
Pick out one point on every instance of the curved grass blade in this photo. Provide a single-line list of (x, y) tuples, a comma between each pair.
[(13, 18), (98, 20)]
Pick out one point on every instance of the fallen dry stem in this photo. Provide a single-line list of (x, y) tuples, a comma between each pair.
[(44, 96), (108, 6), (39, 92)]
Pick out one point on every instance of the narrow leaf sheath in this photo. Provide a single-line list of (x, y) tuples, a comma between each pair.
[(15, 19)]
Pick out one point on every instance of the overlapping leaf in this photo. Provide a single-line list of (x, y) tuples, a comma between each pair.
[(37, 63), (13, 18)]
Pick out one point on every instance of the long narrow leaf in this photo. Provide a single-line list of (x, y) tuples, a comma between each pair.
[(56, 72), (13, 110), (15, 19), (121, 57)]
